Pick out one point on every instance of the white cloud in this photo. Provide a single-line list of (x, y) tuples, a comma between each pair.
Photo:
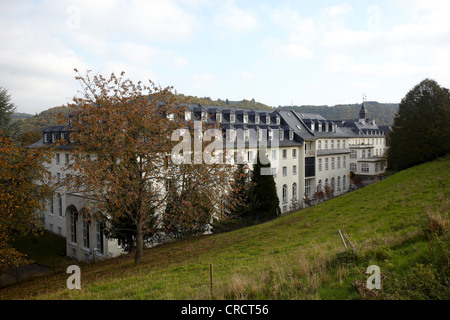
[(235, 20)]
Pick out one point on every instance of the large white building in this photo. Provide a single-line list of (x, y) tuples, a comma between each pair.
[(307, 152)]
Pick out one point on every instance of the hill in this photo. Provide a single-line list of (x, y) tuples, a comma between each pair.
[(383, 113), (399, 224)]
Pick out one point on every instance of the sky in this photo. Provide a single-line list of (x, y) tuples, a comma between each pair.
[(278, 52)]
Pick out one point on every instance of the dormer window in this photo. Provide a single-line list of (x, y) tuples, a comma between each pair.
[(267, 119), (291, 135), (219, 117), (281, 134), (245, 118), (257, 118), (204, 116), (278, 120), (187, 115), (312, 126), (232, 117), (45, 137), (270, 134), (54, 137)]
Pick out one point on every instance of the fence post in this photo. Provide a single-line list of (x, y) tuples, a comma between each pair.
[(343, 241)]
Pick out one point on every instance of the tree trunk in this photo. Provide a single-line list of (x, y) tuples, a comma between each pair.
[(139, 243)]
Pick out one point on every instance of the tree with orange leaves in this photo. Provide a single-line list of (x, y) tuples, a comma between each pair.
[(23, 194), (121, 132)]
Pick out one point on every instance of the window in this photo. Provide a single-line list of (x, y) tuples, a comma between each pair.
[(267, 119), (369, 153), (270, 134), (338, 144), (320, 164), (376, 167), (310, 167), (285, 194), (353, 167), (294, 169), (274, 154), (344, 183), (326, 144), (294, 191), (278, 120), (343, 144), (281, 134), (326, 182), (86, 234), (99, 237), (332, 163), (365, 167), (284, 171), (257, 119), (319, 145), (319, 185), (58, 177), (59, 205), (232, 117), (339, 183), (245, 118), (291, 135), (52, 209), (307, 187), (73, 226), (294, 153), (344, 161), (339, 162), (219, 117), (57, 158), (187, 115), (326, 163), (67, 158), (353, 154), (204, 116), (246, 134), (332, 144), (333, 183), (363, 154), (284, 154)]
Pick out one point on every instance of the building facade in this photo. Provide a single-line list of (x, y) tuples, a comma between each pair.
[(307, 153)]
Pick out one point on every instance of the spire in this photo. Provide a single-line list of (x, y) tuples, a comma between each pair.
[(363, 112)]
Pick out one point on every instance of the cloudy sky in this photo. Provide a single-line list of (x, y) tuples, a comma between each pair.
[(278, 52)]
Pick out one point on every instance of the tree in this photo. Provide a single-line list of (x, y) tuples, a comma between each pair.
[(121, 133), (421, 130), (7, 108), (238, 204), (264, 193), (23, 194)]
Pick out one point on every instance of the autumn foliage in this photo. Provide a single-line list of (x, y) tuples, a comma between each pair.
[(23, 194), (121, 136)]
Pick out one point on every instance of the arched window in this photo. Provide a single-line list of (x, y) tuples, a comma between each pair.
[(73, 225), (339, 183), (353, 167), (326, 182), (344, 183), (99, 226), (333, 183), (319, 185), (285, 193)]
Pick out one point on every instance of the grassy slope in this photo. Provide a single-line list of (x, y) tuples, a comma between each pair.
[(283, 259)]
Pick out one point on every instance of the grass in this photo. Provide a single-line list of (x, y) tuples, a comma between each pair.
[(47, 249), (388, 222)]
